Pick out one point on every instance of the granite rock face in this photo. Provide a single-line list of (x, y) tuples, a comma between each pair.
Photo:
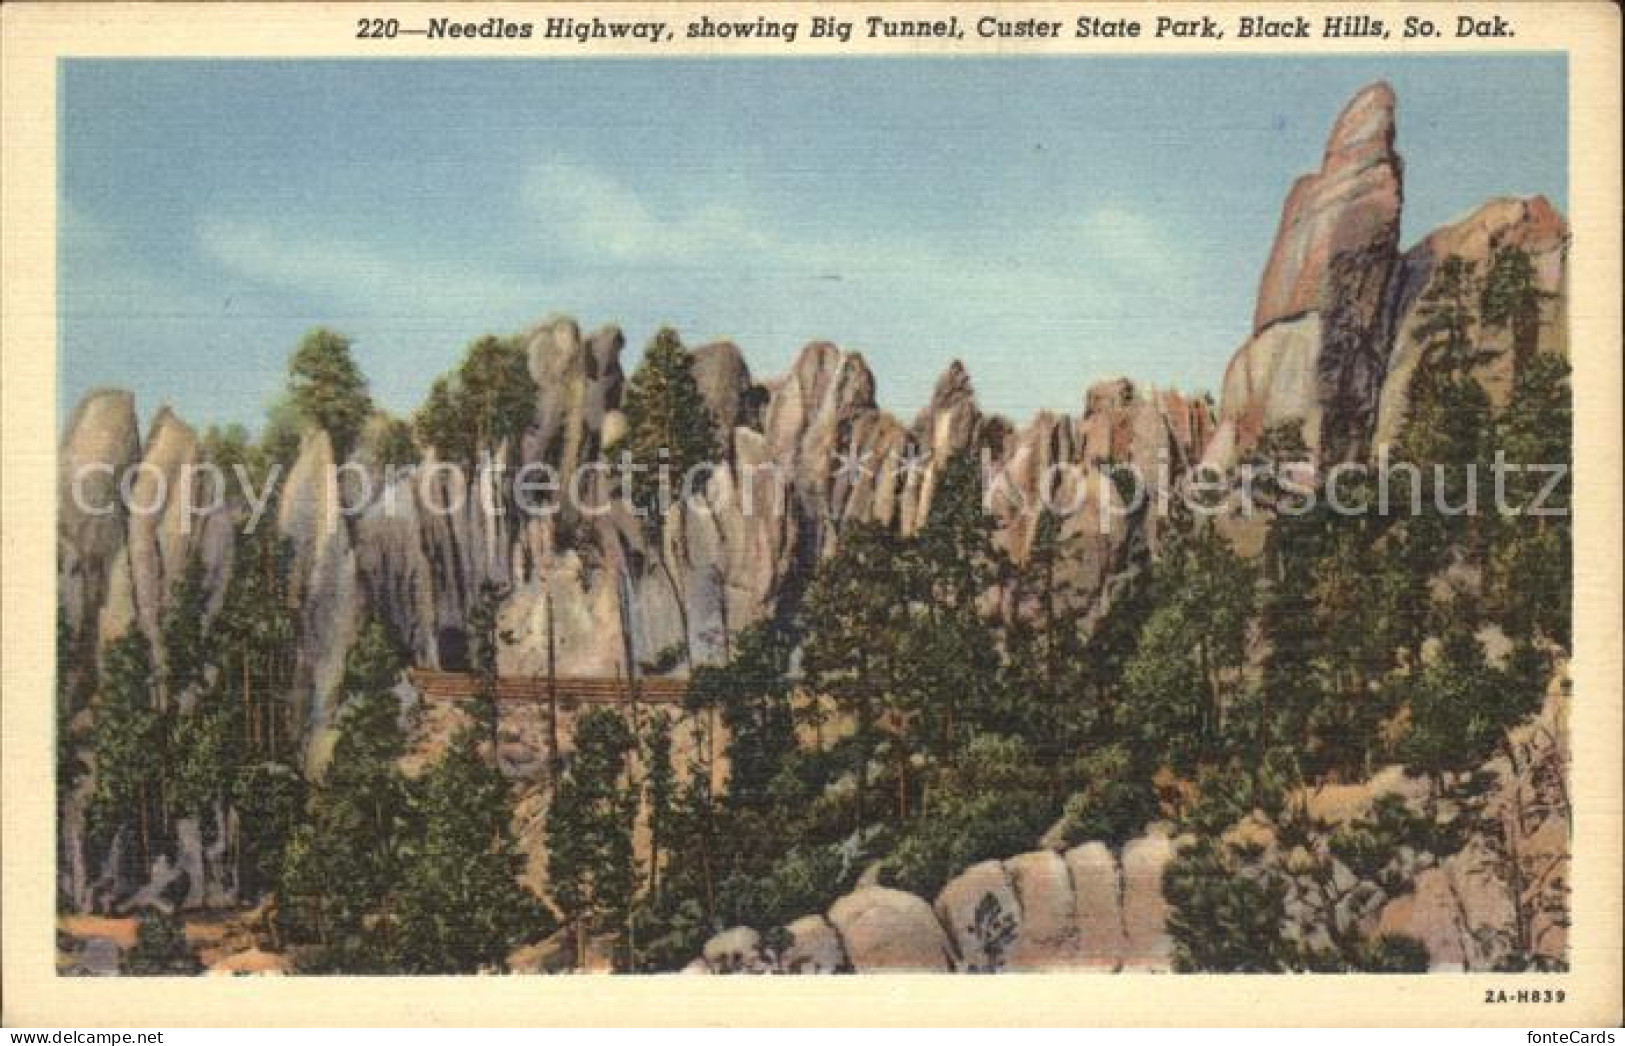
[(1333, 254), (1346, 209), (99, 445), (1531, 225), (1334, 345)]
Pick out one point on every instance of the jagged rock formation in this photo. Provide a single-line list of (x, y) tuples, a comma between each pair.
[(101, 443), (1530, 225), (1333, 343), (1313, 355), (808, 454)]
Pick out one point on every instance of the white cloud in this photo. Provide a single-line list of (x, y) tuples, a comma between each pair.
[(1133, 244), (365, 277), (597, 217)]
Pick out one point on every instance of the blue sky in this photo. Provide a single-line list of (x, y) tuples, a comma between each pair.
[(1049, 221)]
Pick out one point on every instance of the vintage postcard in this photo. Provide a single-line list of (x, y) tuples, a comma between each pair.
[(1121, 497)]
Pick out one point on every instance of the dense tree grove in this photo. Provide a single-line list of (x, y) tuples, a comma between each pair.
[(485, 404), (919, 703)]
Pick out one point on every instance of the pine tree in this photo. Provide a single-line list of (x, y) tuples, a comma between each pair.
[(1221, 920), (668, 424), (660, 794), (206, 728), (753, 693), (857, 622), (439, 423), (184, 630), (1511, 299), (255, 640), (328, 388), (497, 392), (340, 868), (489, 401), (461, 906), (161, 949), (951, 676), (1529, 575), (1046, 666), (269, 799), (129, 743), (590, 865), (483, 638), (393, 446), (1461, 706)]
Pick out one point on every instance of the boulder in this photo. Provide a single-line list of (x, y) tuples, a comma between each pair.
[(1049, 920), (1147, 946), (890, 931), (983, 916), (738, 950), (814, 947), (1097, 887)]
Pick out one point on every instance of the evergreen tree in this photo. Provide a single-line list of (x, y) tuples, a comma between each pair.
[(1046, 664), (440, 424), (1511, 299), (1529, 575), (269, 799), (184, 630), (255, 641), (668, 424), (280, 439), (238, 457), (328, 388), (660, 793), (483, 638), (1290, 689), (206, 728), (1221, 920), (498, 394), (340, 869), (858, 626), (129, 743), (392, 445), (488, 402), (1180, 681), (753, 693), (161, 949), (1461, 706), (589, 830), (950, 674), (462, 908)]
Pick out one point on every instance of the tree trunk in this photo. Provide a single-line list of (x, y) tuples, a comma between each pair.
[(553, 760)]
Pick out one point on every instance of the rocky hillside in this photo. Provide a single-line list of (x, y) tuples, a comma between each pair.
[(1099, 909)]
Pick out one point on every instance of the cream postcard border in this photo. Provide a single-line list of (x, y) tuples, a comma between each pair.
[(35, 36)]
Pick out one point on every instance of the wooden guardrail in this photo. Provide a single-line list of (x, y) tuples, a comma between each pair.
[(435, 685)]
